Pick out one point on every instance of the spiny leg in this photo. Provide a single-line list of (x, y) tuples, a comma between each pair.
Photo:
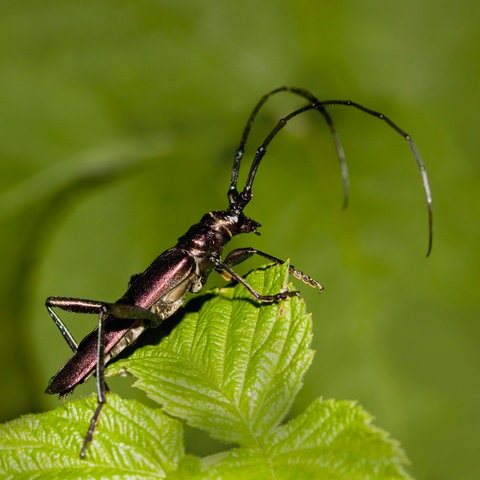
[(239, 255), (101, 385), (223, 268), (68, 337), (117, 310), (79, 305), (103, 309), (120, 311)]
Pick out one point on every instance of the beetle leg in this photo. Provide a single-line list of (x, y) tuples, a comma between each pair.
[(80, 305), (101, 384), (223, 267), (241, 254), (72, 343), (103, 309)]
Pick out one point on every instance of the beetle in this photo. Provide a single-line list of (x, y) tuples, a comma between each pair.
[(157, 293)]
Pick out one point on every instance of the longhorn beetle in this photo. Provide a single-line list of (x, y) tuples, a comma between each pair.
[(158, 292)]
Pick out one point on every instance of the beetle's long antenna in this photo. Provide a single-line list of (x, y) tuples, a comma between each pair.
[(240, 200), (413, 148), (233, 192)]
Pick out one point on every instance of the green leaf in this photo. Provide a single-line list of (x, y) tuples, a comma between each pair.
[(330, 440), (131, 441), (234, 367)]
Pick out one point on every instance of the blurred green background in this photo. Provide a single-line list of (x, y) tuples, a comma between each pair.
[(118, 123)]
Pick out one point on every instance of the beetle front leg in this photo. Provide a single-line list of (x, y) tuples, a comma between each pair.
[(224, 268), (241, 254)]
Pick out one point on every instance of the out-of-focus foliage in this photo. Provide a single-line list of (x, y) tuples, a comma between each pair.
[(118, 125)]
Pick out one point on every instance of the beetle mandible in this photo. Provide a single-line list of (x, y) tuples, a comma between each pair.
[(158, 292)]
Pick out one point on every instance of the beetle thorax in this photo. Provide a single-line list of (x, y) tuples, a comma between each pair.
[(214, 231)]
